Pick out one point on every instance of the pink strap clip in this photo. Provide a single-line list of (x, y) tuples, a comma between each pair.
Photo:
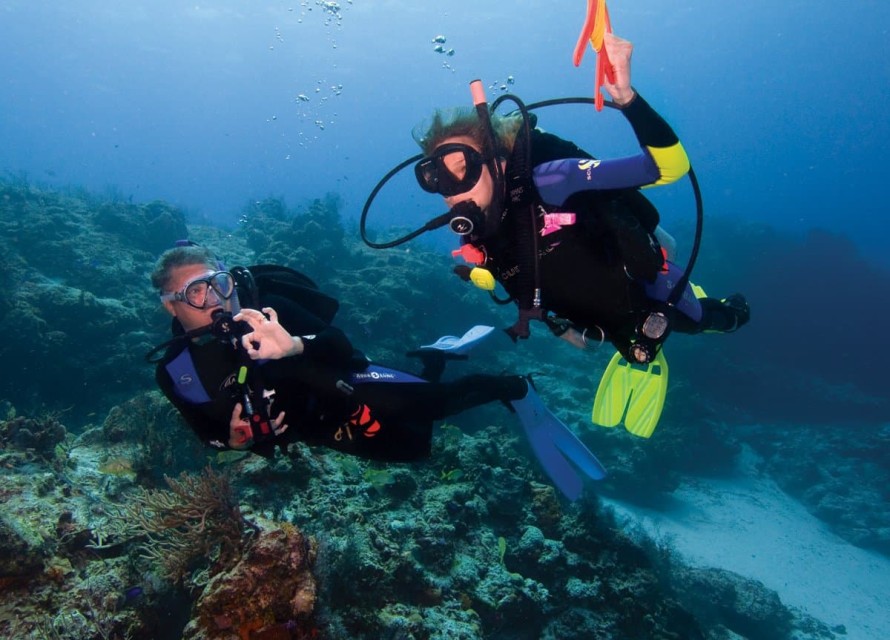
[(556, 221)]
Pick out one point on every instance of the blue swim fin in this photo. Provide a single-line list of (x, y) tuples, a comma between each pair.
[(555, 445)]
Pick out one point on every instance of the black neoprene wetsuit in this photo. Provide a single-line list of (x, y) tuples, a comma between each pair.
[(593, 271), (378, 419)]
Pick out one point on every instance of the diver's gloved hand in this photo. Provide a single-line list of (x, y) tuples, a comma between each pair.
[(268, 340), (738, 307), (726, 315), (563, 329), (463, 272)]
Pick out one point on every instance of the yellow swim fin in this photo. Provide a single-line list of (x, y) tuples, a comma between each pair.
[(632, 393)]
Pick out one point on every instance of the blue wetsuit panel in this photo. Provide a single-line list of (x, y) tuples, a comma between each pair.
[(558, 179), (664, 283), (185, 379)]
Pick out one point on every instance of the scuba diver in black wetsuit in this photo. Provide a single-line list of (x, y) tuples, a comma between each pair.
[(594, 267), (254, 379), (570, 237)]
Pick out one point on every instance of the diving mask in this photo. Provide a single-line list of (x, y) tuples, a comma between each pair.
[(197, 293), (452, 169)]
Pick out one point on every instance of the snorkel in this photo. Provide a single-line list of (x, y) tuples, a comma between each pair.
[(489, 152)]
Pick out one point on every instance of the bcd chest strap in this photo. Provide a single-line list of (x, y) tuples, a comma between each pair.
[(522, 208)]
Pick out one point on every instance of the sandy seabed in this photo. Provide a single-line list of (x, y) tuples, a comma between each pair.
[(748, 525)]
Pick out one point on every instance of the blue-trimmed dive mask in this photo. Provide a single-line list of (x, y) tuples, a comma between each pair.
[(452, 169), (197, 293)]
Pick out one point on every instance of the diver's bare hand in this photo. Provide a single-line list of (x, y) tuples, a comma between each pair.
[(268, 340), (240, 432), (619, 52)]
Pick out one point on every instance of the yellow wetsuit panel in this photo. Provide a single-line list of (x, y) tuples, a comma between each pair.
[(672, 163)]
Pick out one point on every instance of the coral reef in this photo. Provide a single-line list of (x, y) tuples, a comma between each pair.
[(87, 553), (473, 543), (53, 582), (268, 593), (36, 436), (162, 440), (194, 522), (75, 275), (740, 605)]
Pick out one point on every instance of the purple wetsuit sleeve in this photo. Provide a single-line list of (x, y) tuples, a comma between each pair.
[(559, 179)]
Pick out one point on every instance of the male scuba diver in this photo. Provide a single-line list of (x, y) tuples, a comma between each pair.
[(572, 240), (254, 378)]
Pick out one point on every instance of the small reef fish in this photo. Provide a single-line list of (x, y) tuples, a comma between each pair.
[(117, 467)]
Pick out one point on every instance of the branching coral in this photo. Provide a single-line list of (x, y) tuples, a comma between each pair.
[(198, 518), (38, 436)]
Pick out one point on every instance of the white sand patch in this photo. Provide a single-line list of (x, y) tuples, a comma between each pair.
[(747, 525)]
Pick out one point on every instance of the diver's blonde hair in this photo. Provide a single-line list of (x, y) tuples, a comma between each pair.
[(464, 121)]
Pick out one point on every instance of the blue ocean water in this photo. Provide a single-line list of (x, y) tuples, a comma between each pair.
[(782, 106)]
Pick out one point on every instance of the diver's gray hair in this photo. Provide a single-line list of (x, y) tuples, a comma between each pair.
[(180, 257)]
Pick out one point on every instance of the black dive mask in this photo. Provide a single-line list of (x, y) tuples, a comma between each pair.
[(452, 169)]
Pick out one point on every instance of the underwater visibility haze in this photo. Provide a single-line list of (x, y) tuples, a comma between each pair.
[(758, 509)]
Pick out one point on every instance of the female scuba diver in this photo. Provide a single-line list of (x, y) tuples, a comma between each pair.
[(255, 378), (572, 240)]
